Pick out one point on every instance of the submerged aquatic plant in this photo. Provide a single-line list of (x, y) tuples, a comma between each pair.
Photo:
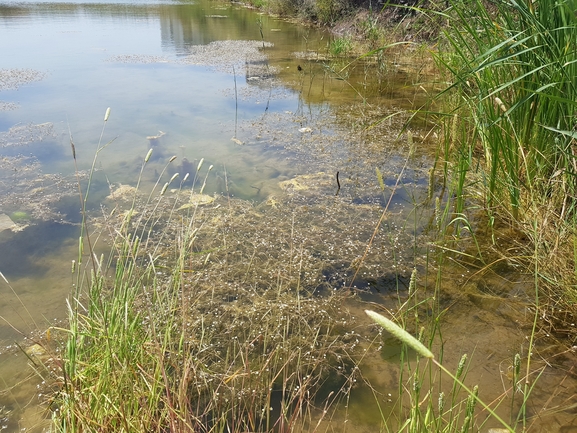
[(178, 329)]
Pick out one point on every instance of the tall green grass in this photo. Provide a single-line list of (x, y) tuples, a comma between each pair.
[(508, 150), (514, 68), (509, 137)]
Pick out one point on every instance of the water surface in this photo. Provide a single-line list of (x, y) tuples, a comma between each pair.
[(65, 63), (251, 112)]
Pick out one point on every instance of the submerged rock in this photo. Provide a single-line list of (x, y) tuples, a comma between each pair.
[(37, 351), (305, 182), (5, 222), (197, 200), (123, 192)]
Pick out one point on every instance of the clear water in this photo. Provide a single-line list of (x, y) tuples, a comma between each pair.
[(85, 54)]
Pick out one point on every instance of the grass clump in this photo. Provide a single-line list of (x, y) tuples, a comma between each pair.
[(165, 335), (517, 72), (340, 46)]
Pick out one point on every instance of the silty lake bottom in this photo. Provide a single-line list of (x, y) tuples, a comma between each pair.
[(262, 102)]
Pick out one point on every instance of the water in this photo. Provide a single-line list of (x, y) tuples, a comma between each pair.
[(69, 61), (64, 63)]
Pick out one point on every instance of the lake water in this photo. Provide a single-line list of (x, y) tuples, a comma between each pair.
[(255, 96)]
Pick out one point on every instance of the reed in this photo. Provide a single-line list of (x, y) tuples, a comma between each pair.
[(514, 69), (508, 145)]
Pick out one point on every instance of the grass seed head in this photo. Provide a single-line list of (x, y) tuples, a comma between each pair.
[(148, 155), (400, 334)]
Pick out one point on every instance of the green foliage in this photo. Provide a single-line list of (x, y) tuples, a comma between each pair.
[(508, 143), (371, 31), (509, 134), (516, 69), (259, 4), (340, 46), (328, 10)]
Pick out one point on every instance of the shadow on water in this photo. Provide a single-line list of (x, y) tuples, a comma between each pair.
[(21, 251)]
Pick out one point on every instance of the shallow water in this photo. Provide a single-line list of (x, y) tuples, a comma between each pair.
[(247, 110)]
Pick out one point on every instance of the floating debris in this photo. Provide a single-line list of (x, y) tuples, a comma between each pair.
[(137, 59), (225, 55), (156, 137), (12, 79)]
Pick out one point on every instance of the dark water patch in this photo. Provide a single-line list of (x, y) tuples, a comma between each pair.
[(21, 251), (393, 283)]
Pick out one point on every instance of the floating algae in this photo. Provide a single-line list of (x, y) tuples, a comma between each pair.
[(257, 242), (137, 59), (225, 55), (8, 106), (12, 79), (21, 135), (19, 216), (30, 195)]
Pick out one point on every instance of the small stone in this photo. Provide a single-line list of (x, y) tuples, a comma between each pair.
[(36, 351)]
